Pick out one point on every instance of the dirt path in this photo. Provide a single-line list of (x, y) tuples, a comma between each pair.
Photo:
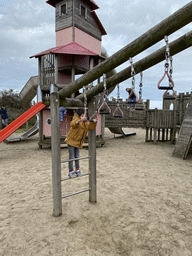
[(144, 202)]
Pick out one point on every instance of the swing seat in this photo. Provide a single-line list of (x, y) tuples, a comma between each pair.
[(118, 116), (104, 112), (139, 108), (169, 97), (165, 87)]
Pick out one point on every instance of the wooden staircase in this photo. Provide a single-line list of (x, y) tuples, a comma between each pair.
[(184, 140)]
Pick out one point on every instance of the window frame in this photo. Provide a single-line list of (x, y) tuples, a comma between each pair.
[(60, 8), (80, 12)]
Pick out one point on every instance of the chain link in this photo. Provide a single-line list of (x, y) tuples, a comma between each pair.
[(132, 73)]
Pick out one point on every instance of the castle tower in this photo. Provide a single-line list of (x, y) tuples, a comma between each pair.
[(76, 21), (78, 42)]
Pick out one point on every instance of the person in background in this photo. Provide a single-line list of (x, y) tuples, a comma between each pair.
[(62, 111), (75, 138), (4, 115), (132, 97)]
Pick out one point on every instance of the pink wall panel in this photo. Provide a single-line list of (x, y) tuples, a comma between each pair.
[(87, 41), (64, 60), (64, 36), (65, 126)]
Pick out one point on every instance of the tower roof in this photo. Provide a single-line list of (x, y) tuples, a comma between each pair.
[(103, 31), (71, 48), (90, 2)]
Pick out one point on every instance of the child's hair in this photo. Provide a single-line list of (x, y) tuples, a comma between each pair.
[(79, 112)]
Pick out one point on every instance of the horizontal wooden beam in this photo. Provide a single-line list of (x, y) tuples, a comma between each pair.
[(166, 27), (176, 46), (71, 102)]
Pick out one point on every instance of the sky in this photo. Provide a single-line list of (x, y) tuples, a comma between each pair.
[(27, 27)]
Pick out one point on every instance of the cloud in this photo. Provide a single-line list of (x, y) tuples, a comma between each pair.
[(27, 27)]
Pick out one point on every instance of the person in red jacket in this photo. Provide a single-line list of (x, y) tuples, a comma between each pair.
[(75, 138)]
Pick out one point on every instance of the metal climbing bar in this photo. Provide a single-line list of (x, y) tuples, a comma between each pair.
[(78, 192), (74, 159), (67, 178), (83, 174)]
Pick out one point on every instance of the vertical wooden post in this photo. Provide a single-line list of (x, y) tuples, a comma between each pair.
[(181, 107), (39, 95), (92, 161), (163, 134), (155, 126), (147, 127), (147, 104), (146, 134), (56, 68), (73, 75), (173, 131), (56, 155)]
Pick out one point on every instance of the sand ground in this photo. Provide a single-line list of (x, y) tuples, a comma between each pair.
[(144, 202)]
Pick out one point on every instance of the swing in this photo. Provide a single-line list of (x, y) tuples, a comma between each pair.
[(133, 85), (118, 113), (171, 83), (140, 104), (167, 96), (104, 109)]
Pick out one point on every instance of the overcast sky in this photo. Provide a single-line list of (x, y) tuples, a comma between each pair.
[(27, 27)]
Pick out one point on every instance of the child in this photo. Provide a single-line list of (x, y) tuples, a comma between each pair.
[(4, 115), (62, 111), (75, 137), (132, 97)]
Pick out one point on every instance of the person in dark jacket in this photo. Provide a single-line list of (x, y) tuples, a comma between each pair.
[(132, 97), (4, 115), (75, 138)]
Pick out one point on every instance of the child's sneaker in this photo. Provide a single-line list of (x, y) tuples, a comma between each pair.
[(78, 172), (72, 174)]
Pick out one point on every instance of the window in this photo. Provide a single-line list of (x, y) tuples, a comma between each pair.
[(83, 11), (63, 9)]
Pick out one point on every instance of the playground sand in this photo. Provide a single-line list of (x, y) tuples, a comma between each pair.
[(144, 202)]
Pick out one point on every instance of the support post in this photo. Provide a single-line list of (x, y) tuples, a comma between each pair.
[(56, 155), (92, 161), (155, 127), (56, 68), (39, 98)]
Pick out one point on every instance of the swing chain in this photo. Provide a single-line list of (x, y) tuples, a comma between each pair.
[(167, 54), (105, 87), (170, 70), (118, 95), (132, 73), (141, 84), (85, 99)]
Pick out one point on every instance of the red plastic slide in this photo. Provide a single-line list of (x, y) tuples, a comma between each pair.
[(7, 131)]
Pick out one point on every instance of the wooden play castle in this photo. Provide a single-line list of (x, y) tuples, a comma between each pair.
[(78, 49)]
